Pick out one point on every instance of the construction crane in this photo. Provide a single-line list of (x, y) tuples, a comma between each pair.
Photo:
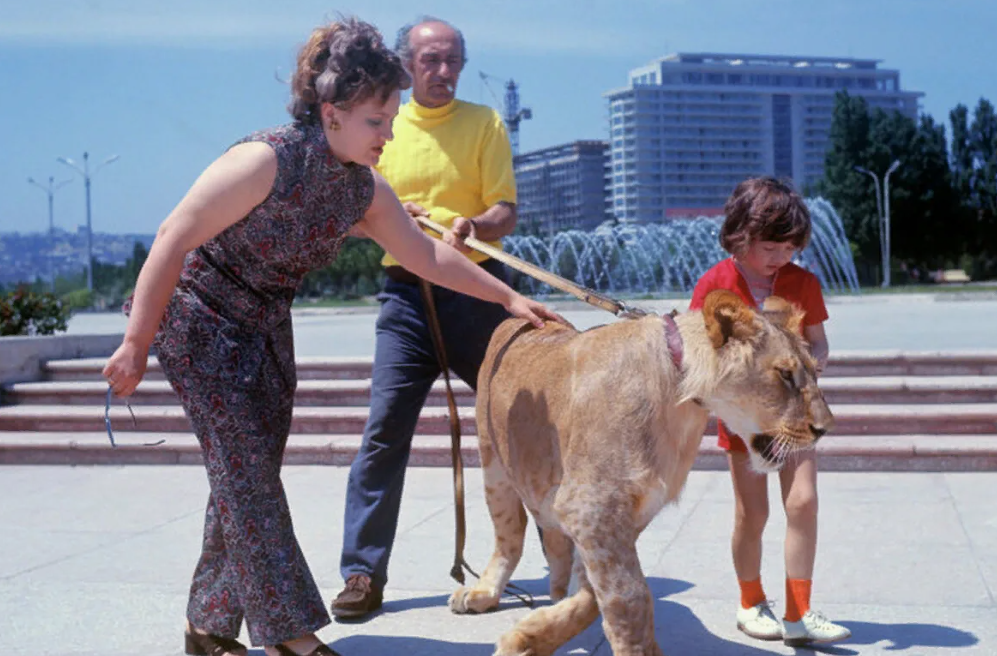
[(512, 113)]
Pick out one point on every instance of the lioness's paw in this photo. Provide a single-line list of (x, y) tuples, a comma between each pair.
[(457, 601), (472, 600), (516, 643)]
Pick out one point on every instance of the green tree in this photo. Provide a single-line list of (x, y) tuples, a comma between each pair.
[(962, 151), (925, 214), (848, 190), (974, 171), (924, 208), (113, 283), (355, 272), (134, 264)]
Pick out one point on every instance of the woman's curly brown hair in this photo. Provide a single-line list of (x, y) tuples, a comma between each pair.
[(344, 63), (764, 209)]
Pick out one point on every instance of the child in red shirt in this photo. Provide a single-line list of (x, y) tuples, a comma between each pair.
[(765, 224)]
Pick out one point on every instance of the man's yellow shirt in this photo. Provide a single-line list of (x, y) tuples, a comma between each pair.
[(453, 160)]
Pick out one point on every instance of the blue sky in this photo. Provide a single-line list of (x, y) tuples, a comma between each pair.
[(169, 85)]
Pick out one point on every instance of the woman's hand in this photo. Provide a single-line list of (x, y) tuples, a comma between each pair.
[(534, 312), (124, 369), (415, 209)]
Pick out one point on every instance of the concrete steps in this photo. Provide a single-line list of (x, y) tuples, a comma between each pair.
[(893, 411), (850, 419), (842, 364), (880, 390), (349, 393), (837, 453), (308, 369)]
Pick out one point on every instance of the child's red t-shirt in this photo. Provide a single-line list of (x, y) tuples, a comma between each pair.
[(793, 283)]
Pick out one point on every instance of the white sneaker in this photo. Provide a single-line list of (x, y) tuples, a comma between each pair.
[(759, 622), (813, 627)]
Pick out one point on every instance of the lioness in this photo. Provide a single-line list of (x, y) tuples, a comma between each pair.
[(595, 432)]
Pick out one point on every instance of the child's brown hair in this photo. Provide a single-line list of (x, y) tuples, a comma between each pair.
[(764, 209)]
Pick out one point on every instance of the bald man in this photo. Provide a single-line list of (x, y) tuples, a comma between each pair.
[(452, 160)]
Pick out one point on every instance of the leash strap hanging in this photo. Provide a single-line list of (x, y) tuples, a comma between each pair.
[(617, 308), (457, 461)]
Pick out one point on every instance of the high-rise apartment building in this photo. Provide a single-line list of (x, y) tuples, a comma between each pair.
[(562, 187), (689, 127)]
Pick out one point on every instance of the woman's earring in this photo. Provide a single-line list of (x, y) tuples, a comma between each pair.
[(334, 124)]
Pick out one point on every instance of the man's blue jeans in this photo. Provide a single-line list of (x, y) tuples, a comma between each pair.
[(405, 367)]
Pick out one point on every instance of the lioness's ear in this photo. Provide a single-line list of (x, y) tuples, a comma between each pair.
[(783, 313), (727, 317)]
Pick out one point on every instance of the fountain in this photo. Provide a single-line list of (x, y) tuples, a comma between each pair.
[(630, 259)]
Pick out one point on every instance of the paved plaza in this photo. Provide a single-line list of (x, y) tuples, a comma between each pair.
[(906, 322), (97, 561)]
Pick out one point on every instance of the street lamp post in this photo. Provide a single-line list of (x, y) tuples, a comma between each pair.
[(85, 172), (50, 190), (883, 199), (886, 217)]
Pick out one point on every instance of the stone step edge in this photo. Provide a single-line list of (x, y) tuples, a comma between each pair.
[(851, 420), (963, 453), (120, 412), (846, 364), (875, 383), (837, 357)]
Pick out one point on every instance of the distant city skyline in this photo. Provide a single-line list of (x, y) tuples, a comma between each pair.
[(690, 126), (26, 256), (169, 87)]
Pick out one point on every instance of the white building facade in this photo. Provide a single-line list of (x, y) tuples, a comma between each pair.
[(562, 187), (690, 126)]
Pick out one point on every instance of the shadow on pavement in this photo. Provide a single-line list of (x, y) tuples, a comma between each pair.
[(906, 636), (678, 632), (677, 628), (681, 633), (537, 588), (407, 646), (414, 603)]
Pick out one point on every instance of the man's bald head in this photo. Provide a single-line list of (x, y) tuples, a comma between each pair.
[(434, 53), (403, 43)]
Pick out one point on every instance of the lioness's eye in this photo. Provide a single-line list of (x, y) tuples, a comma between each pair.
[(787, 375)]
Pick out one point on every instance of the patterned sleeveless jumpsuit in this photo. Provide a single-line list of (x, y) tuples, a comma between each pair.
[(225, 345)]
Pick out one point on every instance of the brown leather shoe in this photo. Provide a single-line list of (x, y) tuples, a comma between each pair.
[(205, 644), (359, 598)]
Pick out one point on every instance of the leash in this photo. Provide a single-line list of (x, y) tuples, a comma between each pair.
[(617, 308), (456, 458), (459, 564)]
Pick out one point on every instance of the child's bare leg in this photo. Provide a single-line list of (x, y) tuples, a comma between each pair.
[(754, 616), (799, 496), (751, 512), (802, 625)]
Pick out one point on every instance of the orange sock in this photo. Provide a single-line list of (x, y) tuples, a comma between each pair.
[(751, 593), (797, 598)]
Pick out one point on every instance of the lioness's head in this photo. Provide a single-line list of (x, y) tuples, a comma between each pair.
[(766, 390)]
